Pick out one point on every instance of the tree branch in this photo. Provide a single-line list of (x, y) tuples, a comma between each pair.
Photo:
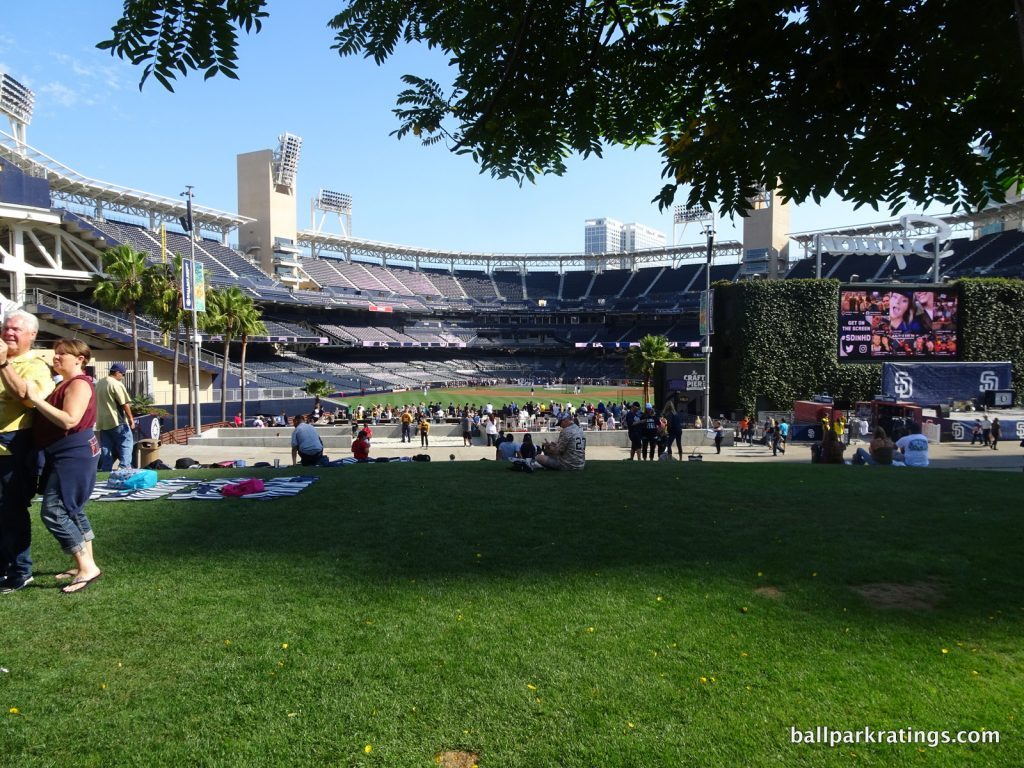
[(492, 103), (1019, 8)]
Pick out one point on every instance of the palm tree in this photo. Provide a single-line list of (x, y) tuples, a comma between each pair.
[(249, 324), (232, 315), (122, 289), (317, 388), (163, 299), (640, 360)]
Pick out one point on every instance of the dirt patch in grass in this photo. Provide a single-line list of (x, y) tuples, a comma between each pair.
[(772, 593), (454, 758), (915, 596)]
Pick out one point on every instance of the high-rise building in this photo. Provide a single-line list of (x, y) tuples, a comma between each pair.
[(637, 237), (602, 236), (611, 236)]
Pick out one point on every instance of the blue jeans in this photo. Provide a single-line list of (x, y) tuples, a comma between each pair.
[(18, 473), (863, 457), (70, 530), (116, 443)]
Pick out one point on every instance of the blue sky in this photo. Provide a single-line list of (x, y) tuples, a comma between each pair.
[(91, 116)]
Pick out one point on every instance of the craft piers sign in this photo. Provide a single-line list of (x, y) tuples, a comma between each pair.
[(897, 247)]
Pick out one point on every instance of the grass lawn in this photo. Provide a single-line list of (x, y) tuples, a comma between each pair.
[(497, 396), (632, 615)]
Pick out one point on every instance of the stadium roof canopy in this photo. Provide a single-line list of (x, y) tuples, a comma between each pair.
[(965, 221), (319, 242), (72, 187)]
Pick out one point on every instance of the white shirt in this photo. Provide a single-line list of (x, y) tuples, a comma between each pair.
[(915, 450)]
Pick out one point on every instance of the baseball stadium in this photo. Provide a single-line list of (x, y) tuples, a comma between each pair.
[(748, 606)]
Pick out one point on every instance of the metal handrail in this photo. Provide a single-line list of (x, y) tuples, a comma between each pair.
[(89, 314)]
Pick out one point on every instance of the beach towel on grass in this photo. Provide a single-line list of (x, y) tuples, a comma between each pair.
[(273, 489), (350, 460), (158, 491)]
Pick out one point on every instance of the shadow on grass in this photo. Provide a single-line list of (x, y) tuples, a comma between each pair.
[(837, 526)]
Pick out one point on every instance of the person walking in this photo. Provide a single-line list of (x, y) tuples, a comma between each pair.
[(18, 470), (781, 436), (996, 433), (114, 420), (63, 431)]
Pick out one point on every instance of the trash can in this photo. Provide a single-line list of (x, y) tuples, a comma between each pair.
[(146, 452)]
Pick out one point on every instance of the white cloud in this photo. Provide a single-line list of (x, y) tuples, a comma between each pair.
[(60, 94), (92, 71)]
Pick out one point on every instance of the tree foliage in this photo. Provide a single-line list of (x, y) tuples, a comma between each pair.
[(317, 388), (179, 36), (640, 360), (879, 101), (122, 288), (162, 286), (233, 315)]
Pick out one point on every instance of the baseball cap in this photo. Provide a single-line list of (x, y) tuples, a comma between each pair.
[(118, 368), (564, 415), (649, 407)]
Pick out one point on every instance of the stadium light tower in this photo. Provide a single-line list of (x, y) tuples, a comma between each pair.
[(286, 160), (327, 201), (17, 102), (706, 219)]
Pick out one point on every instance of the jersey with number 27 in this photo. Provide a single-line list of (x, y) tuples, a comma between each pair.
[(572, 447)]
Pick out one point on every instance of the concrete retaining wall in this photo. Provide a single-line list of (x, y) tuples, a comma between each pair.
[(341, 437)]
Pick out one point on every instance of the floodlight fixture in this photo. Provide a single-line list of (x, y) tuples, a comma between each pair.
[(334, 202), (16, 100), (693, 213), (286, 161)]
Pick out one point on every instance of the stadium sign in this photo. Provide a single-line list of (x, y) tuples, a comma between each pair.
[(897, 247)]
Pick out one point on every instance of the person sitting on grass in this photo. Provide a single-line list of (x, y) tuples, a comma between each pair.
[(914, 447), (528, 450), (881, 450), (829, 450), (361, 447), (569, 452), (506, 449)]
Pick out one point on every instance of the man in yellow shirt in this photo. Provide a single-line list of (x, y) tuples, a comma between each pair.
[(18, 471), (114, 420), (406, 420)]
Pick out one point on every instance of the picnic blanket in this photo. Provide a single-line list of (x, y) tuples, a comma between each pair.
[(274, 488), (350, 460), (158, 491)]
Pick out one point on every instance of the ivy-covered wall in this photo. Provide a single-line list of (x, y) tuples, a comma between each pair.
[(992, 323), (775, 341)]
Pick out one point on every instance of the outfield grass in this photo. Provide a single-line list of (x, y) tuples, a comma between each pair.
[(497, 396), (632, 615)]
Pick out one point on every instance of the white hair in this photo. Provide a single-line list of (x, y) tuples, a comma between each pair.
[(30, 320)]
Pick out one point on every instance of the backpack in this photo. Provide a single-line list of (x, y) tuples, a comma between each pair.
[(185, 463)]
